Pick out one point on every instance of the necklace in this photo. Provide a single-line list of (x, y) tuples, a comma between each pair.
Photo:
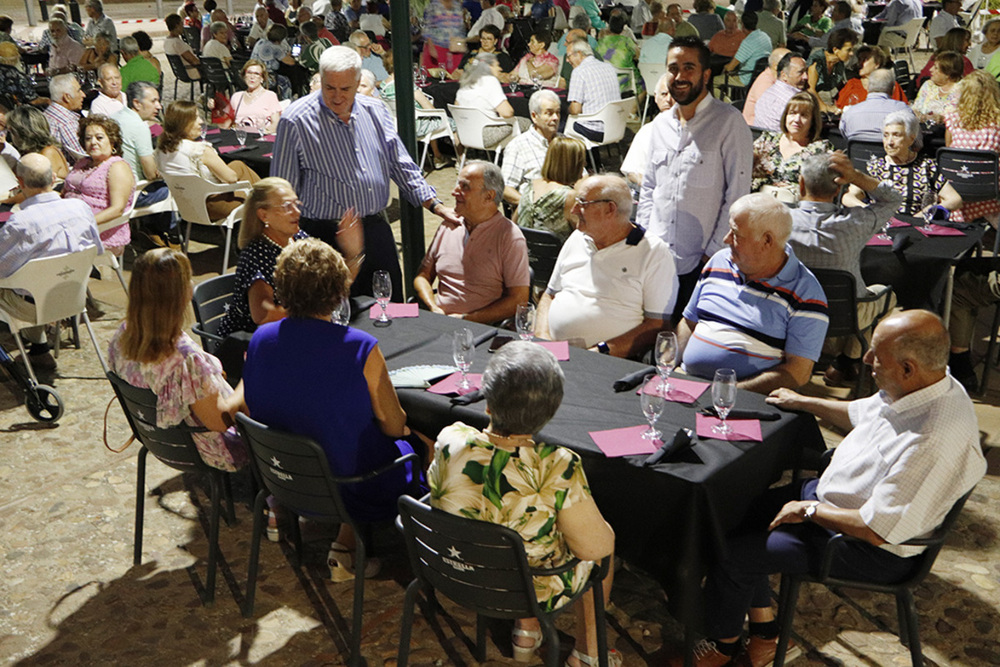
[(509, 442)]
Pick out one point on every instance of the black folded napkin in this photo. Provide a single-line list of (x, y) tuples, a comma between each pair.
[(901, 242), (361, 303), (473, 396), (745, 414), (634, 379), (482, 338)]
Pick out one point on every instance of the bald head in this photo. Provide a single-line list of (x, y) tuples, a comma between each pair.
[(776, 56), (918, 336), (34, 171)]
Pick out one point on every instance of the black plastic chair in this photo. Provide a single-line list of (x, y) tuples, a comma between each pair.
[(905, 78), (192, 36), (543, 250), (174, 448), (906, 611), (181, 74), (483, 567), (733, 87), (294, 469), (209, 300), (842, 308), (216, 76), (860, 151)]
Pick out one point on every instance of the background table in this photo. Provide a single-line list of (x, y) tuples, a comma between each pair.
[(256, 154), (670, 519)]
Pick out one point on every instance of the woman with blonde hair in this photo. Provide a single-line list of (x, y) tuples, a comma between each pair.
[(150, 350), (180, 151), (547, 202), (975, 124)]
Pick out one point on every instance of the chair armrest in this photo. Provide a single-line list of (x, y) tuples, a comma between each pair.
[(432, 113), (204, 334), (831, 546), (875, 296), (378, 471), (219, 188)]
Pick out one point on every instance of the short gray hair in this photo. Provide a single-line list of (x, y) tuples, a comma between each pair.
[(764, 214), (818, 177), (523, 386), (61, 85), (34, 178), (881, 81), (137, 90), (57, 21), (480, 66), (368, 77), (96, 4), (129, 45), (492, 178), (357, 36), (580, 46), (540, 96), (771, 5), (217, 27), (911, 125), (340, 59), (581, 22), (613, 188)]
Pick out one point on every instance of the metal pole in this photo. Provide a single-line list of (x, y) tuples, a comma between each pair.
[(159, 9), (31, 14), (411, 218), (229, 8)]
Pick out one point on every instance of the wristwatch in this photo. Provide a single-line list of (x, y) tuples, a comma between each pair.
[(811, 511), (603, 348)]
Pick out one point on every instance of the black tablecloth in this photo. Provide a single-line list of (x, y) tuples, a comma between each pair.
[(255, 154), (443, 94), (670, 519), (919, 274)]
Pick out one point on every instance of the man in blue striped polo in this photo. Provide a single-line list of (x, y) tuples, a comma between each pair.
[(756, 308), (339, 151)]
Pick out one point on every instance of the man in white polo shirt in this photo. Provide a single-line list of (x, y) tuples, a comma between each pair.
[(613, 286)]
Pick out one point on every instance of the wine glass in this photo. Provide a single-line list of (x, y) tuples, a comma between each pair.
[(537, 81), (241, 135), (260, 125), (652, 402), (524, 320), (382, 289), (462, 351), (342, 313), (513, 86), (666, 356), (723, 398)]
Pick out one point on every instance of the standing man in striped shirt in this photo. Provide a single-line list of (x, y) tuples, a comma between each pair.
[(339, 150)]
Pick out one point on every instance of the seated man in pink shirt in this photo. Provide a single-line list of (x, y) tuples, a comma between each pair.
[(481, 265), (763, 81)]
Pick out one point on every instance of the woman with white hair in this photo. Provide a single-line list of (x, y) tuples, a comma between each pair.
[(544, 496)]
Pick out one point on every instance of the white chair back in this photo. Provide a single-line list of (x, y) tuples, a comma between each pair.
[(58, 285), (190, 192), (614, 115), (651, 73), (469, 124)]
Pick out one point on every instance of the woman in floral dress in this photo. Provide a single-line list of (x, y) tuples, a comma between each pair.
[(503, 476), (777, 156)]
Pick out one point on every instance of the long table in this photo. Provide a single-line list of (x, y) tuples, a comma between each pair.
[(670, 519), (256, 154)]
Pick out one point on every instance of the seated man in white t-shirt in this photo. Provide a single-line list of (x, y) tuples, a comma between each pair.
[(613, 286)]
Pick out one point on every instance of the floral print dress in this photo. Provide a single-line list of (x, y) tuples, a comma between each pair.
[(523, 489)]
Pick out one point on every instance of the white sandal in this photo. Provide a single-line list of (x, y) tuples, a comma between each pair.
[(340, 560), (614, 659), (525, 653)]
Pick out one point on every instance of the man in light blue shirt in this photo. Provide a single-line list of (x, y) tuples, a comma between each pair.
[(46, 225), (654, 49), (754, 46)]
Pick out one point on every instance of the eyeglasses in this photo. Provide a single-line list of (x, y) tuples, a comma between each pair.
[(583, 203), (253, 72), (289, 206)]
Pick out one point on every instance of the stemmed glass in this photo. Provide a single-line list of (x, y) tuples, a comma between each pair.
[(241, 136), (513, 86), (462, 351), (260, 126), (382, 289), (524, 320), (652, 402), (537, 81), (666, 356), (723, 398), (342, 313)]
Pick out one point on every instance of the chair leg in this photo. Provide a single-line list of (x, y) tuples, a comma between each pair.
[(227, 488), (990, 351), (787, 600), (406, 626), (296, 540), (213, 538), (359, 602), (225, 257), (93, 339), (140, 501), (480, 638), (600, 625), (552, 639), (905, 605), (258, 514), (187, 238), (117, 266)]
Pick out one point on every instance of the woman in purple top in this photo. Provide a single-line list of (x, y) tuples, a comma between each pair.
[(329, 382)]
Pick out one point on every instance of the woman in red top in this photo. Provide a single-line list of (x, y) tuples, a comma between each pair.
[(870, 58)]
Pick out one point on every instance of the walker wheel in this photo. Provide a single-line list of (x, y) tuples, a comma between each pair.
[(44, 403)]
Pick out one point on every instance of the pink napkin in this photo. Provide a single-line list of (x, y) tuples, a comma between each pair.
[(214, 130), (624, 441), (560, 348), (156, 129), (268, 154), (940, 230), (229, 149), (518, 94), (896, 222), (395, 310), (449, 385), (681, 391), (743, 429), (268, 137), (879, 239), (4, 215)]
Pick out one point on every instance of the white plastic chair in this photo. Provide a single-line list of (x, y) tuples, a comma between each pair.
[(469, 124), (58, 285), (651, 73), (443, 131), (911, 33), (190, 193), (613, 114)]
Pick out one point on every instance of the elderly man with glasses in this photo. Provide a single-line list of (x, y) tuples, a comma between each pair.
[(613, 285)]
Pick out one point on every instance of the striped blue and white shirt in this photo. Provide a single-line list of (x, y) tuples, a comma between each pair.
[(333, 165), (751, 326)]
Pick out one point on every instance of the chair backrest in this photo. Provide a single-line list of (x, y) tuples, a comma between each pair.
[(210, 299), (935, 542), (615, 116), (215, 74), (904, 77), (295, 470), (651, 73), (543, 250), (974, 174), (912, 30), (192, 36), (860, 151), (173, 446), (479, 565), (841, 298), (178, 68), (469, 124), (189, 193), (58, 284)]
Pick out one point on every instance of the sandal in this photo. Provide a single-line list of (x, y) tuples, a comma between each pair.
[(525, 653), (614, 659), (340, 560), (273, 532)]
